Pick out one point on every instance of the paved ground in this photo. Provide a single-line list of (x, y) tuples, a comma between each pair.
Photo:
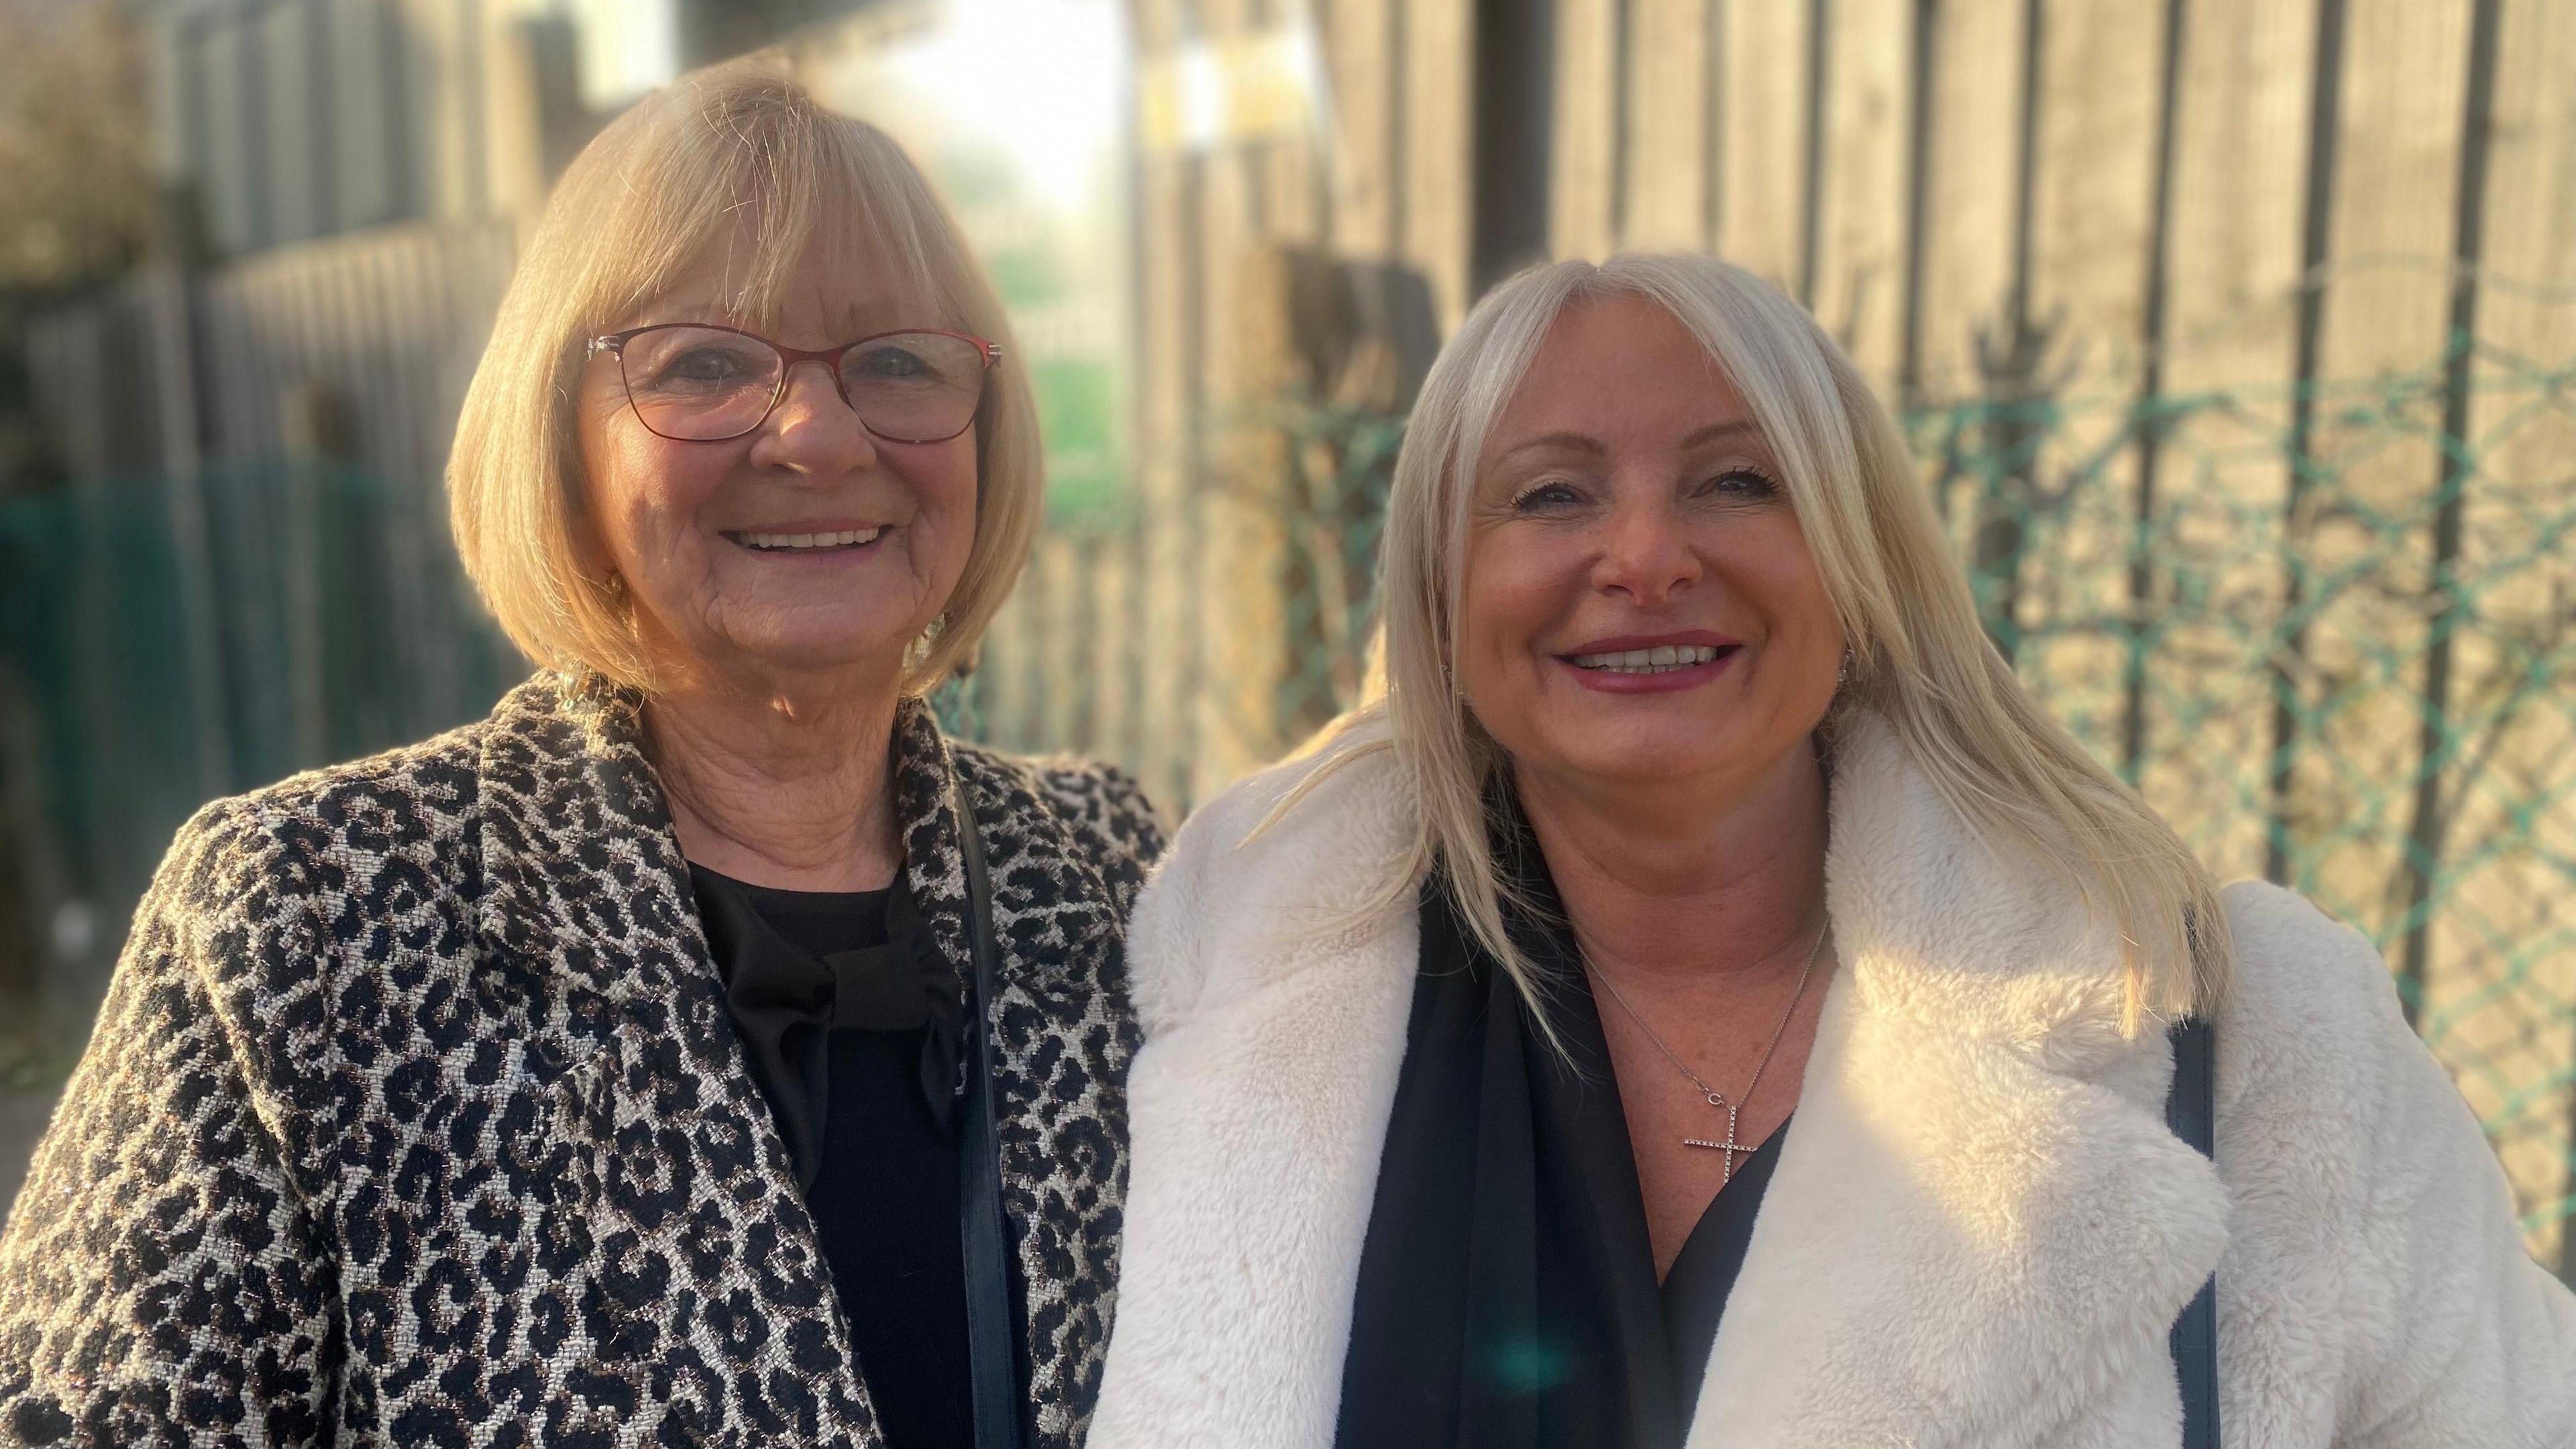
[(22, 1121)]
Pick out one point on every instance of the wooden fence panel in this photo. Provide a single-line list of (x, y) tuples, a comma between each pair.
[(1583, 171), (1439, 151), (1362, 57), (1239, 515), (2235, 193), (1169, 268), (2095, 129), (2363, 544), (1667, 124), (1973, 157), (1762, 163), (1858, 286), (1124, 637)]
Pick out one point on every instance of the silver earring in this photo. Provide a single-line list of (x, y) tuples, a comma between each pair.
[(1843, 676), (918, 651)]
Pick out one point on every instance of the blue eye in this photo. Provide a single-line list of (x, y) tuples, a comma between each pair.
[(1542, 496), (708, 366), (894, 364), (1741, 483)]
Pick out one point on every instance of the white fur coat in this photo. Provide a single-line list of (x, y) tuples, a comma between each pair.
[(1980, 1229)]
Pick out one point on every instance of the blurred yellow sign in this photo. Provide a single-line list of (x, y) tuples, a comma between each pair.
[(1254, 87)]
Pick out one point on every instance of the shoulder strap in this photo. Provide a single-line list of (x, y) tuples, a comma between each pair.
[(2191, 1110), (993, 1360)]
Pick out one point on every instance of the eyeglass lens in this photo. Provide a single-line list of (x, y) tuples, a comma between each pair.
[(704, 384)]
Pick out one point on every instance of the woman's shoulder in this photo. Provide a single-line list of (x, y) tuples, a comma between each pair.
[(2319, 1072), (2299, 969), (1103, 805), (1276, 856), (377, 802), (1342, 789), (2353, 1162), (259, 893), (425, 793)]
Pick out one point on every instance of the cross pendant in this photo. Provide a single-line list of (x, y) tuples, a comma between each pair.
[(1730, 1146)]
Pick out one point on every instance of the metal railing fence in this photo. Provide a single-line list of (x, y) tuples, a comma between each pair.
[(2330, 632)]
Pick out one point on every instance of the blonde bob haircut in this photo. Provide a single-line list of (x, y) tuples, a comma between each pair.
[(737, 162), (1920, 659)]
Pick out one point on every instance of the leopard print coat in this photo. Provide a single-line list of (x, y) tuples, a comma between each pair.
[(414, 1115)]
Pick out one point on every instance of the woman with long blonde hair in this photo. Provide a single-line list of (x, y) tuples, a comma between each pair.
[(1707, 1002)]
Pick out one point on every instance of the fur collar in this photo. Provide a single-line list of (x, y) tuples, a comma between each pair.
[(1978, 1233)]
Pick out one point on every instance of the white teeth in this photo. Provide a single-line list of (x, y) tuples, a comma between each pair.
[(843, 539), (1661, 659)]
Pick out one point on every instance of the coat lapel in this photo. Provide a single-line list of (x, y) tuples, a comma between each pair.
[(1980, 1229), (681, 1179), (1062, 1033), (1260, 1108), (585, 891), (1977, 1234)]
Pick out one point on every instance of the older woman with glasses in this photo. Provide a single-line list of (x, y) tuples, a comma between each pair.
[(702, 1049)]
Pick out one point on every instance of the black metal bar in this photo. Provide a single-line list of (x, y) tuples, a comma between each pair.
[(1398, 177), (2151, 386), (1918, 199), (1820, 30), (2034, 59), (2424, 834), (2316, 234), (1515, 102), (1623, 69), (2012, 435), (1712, 127)]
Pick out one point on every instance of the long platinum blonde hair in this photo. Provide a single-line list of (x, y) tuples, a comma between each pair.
[(1920, 659)]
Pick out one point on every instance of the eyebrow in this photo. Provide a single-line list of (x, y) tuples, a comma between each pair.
[(868, 316), (1584, 443), (1740, 428)]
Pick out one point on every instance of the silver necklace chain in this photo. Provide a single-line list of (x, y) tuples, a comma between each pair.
[(1715, 1098)]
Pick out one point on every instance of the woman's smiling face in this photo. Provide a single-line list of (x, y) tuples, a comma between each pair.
[(704, 533), (1640, 606)]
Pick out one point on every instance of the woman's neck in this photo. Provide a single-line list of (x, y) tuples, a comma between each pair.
[(1673, 887), (781, 784)]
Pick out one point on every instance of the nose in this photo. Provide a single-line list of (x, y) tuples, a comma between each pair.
[(1644, 553), (812, 430)]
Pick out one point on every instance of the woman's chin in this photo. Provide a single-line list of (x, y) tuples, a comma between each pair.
[(1639, 755), (805, 647)]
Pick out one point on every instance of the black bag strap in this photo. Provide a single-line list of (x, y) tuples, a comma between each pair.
[(994, 1360), (2191, 1110)]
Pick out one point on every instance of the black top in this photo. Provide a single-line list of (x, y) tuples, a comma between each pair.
[(1507, 1295), (851, 1021)]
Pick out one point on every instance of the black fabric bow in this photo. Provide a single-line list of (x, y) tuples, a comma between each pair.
[(786, 1002)]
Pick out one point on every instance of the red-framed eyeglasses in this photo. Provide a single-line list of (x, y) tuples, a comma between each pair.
[(696, 382)]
